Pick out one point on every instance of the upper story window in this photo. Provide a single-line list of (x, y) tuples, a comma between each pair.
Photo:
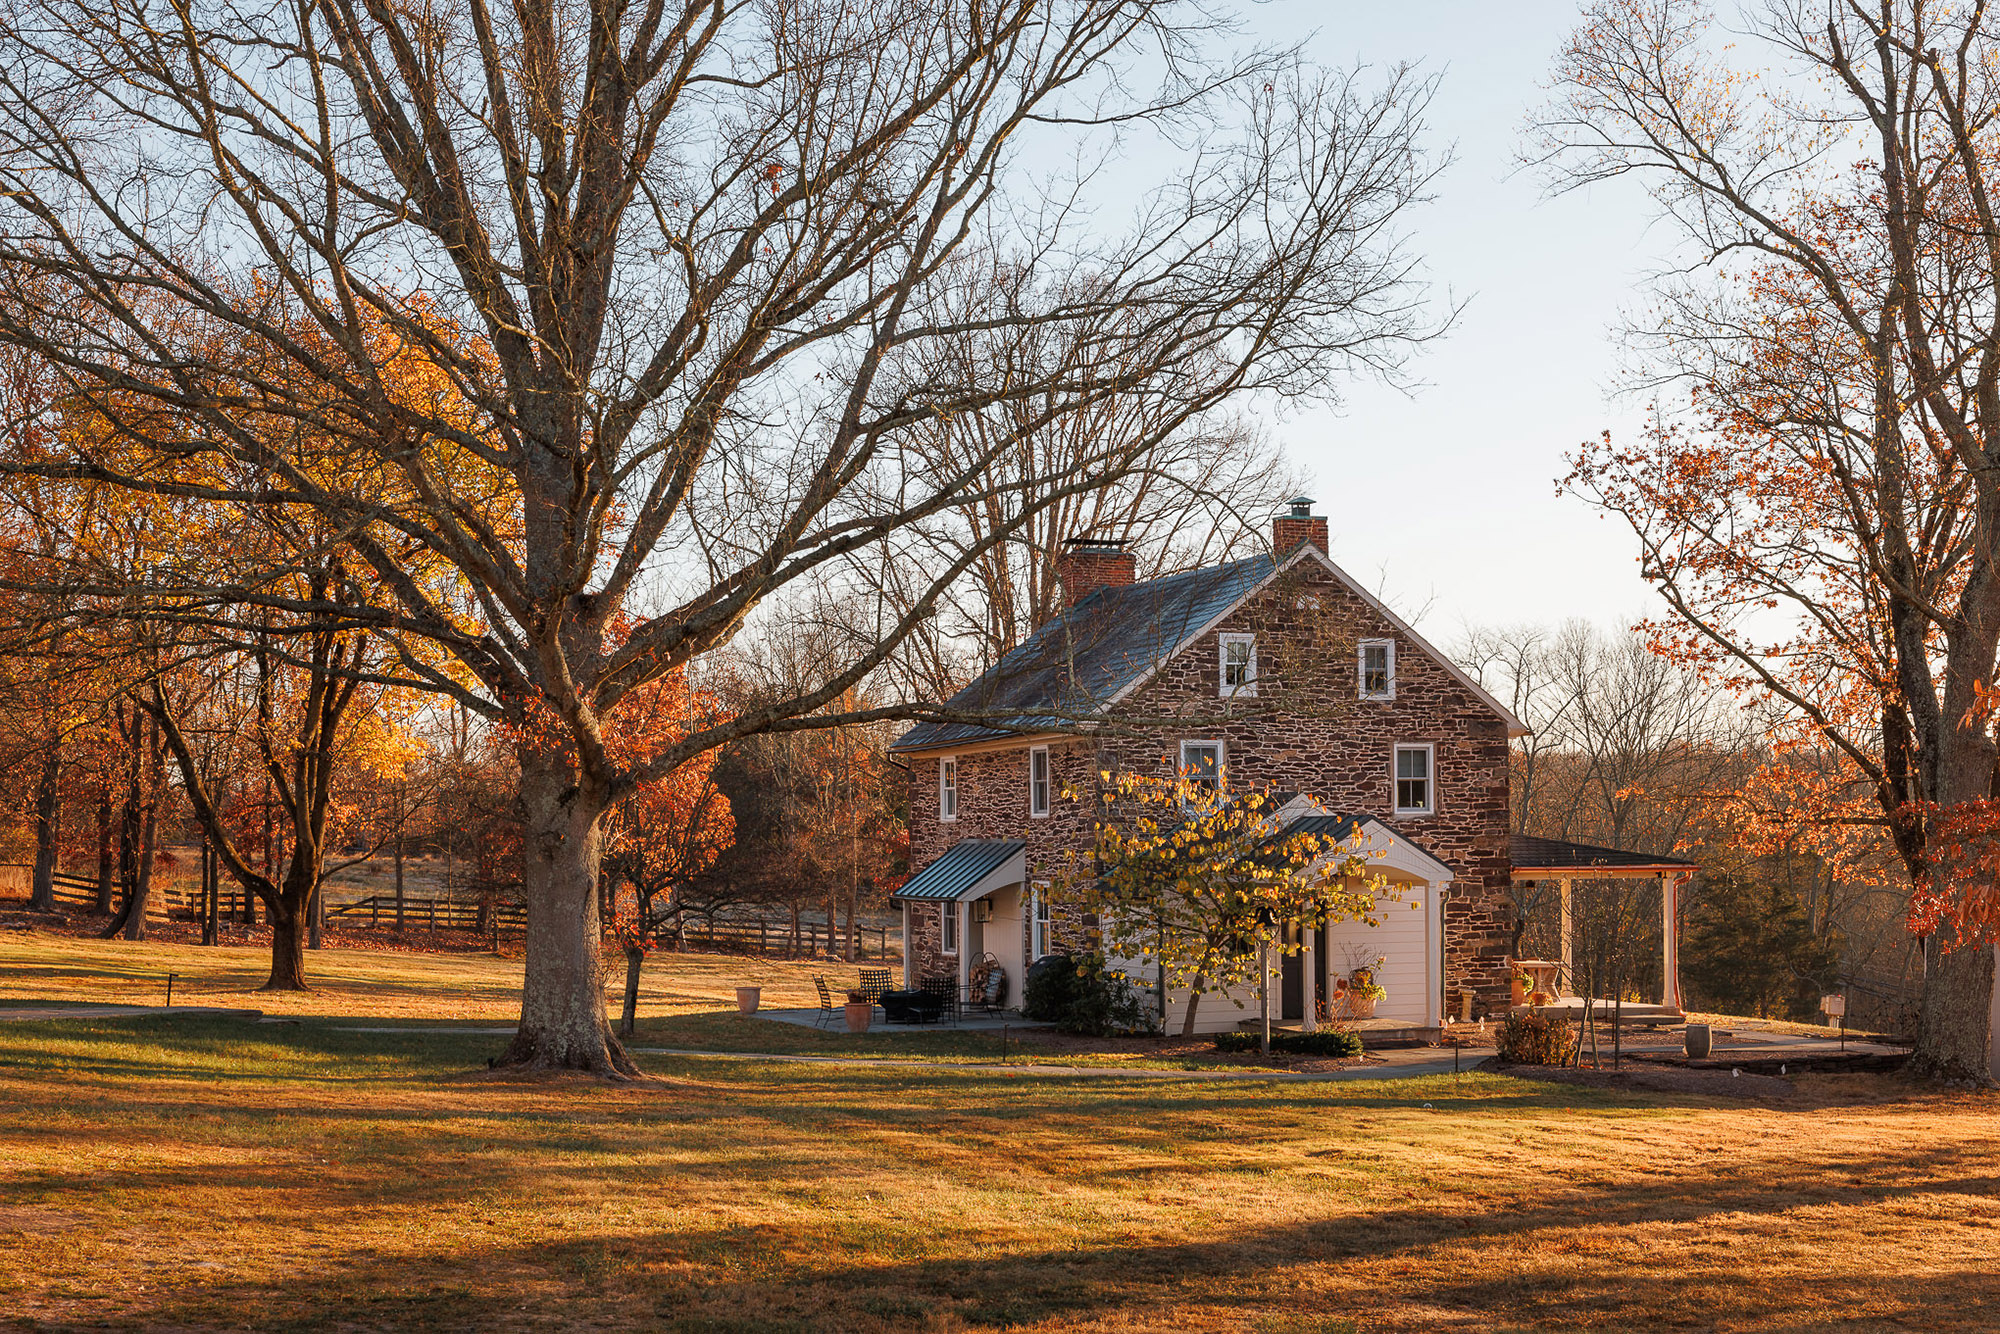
[(948, 789), (1038, 781), (1416, 789), (1378, 668), (1201, 762), (1239, 665)]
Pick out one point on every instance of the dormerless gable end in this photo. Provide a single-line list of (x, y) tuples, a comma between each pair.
[(1305, 552)]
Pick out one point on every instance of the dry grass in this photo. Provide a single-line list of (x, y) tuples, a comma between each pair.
[(387, 984), (180, 1173)]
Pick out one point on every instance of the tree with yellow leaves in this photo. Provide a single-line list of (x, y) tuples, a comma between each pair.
[(1203, 883)]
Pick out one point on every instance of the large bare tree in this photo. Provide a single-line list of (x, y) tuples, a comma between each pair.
[(699, 282), (1823, 525)]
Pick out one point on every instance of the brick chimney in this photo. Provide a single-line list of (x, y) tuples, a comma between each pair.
[(1300, 525), (1090, 563)]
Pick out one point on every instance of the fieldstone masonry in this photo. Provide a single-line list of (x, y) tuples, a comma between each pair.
[(1307, 730)]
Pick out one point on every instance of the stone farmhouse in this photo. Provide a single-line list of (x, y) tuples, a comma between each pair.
[(1277, 672)]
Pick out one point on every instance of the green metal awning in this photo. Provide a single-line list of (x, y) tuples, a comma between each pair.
[(967, 870)]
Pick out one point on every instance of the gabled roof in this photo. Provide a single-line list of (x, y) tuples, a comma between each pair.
[(1547, 855), (1086, 660), (965, 869), (1080, 662), (1365, 830)]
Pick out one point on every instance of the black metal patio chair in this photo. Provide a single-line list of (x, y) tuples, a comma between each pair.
[(826, 1005), (875, 984), (945, 991)]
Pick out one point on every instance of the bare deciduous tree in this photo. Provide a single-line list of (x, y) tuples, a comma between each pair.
[(698, 282)]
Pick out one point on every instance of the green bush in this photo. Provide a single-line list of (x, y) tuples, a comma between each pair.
[(1078, 994), (1527, 1038), (1324, 1042)]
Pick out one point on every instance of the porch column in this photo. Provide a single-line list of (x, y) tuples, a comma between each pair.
[(1309, 970), (1568, 941), (1670, 944), (964, 911), (906, 945)]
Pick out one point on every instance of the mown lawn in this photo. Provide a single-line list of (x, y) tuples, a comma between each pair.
[(183, 1173)]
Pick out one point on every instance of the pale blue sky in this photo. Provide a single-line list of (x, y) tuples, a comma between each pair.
[(1447, 495)]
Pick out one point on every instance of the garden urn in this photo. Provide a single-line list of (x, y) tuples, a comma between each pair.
[(859, 1013), (1360, 1003), (747, 998), (1698, 1041)]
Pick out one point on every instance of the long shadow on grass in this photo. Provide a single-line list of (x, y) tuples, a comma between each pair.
[(798, 1274)]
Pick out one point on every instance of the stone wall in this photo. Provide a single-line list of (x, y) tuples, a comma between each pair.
[(1306, 731)]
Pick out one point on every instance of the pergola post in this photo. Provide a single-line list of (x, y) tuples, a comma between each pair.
[(1670, 944), (1568, 939)]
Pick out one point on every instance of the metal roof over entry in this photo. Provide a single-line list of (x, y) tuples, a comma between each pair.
[(968, 869)]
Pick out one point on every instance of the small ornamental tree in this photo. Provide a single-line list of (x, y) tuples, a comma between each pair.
[(1203, 883), (666, 831)]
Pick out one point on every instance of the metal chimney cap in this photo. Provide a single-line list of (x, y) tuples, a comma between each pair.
[(1302, 507)]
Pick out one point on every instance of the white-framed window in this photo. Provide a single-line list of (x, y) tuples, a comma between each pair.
[(1415, 781), (948, 924), (1038, 781), (1038, 944), (1201, 761), (1239, 665), (948, 788), (1376, 661)]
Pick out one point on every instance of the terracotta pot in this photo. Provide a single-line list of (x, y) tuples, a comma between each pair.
[(1520, 992), (747, 998), (1362, 1007), (858, 1015)]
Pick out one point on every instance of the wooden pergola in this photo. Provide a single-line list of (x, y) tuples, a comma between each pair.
[(1541, 859)]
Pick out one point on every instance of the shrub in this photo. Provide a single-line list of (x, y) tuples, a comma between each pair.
[(1324, 1042), (1049, 988), (1527, 1038), (1078, 994)]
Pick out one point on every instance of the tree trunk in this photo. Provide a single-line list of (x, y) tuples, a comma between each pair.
[(634, 958), (1952, 1038), (1194, 1000), (142, 891), (288, 948), (564, 1024), (104, 853), (315, 916), (853, 904), (399, 879), (42, 898)]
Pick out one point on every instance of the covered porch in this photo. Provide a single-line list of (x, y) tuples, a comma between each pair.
[(1549, 862), (977, 894), (1407, 937)]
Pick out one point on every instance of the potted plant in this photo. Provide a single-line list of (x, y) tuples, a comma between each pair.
[(859, 1010), (1361, 998), (1521, 984), (747, 999)]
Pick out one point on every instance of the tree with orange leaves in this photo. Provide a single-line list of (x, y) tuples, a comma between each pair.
[(1822, 523), (665, 832)]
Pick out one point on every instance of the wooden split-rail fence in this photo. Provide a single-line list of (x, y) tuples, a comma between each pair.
[(739, 935)]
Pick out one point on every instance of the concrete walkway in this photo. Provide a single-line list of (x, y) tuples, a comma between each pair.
[(1395, 1065), (120, 1012)]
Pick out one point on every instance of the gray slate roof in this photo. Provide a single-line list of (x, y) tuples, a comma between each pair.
[(1529, 853), (1071, 668), (960, 867)]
